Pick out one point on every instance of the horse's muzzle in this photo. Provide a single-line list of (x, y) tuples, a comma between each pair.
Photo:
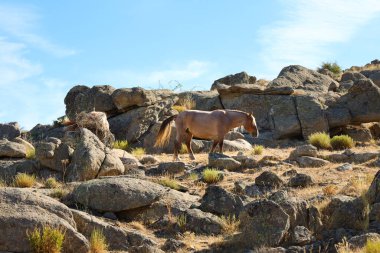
[(255, 133)]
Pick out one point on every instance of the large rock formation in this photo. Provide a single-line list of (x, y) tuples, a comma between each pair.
[(237, 78)]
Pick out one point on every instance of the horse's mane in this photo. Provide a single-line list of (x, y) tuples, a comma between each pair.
[(230, 110)]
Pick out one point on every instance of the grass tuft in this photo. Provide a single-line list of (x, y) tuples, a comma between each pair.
[(120, 144), (30, 153), (98, 243), (211, 176), (320, 140), (51, 183), (372, 246), (230, 224), (49, 240), (257, 150), (181, 221), (183, 149), (179, 108), (333, 67), (169, 182), (138, 152), (59, 193), (342, 142), (330, 190), (24, 180), (193, 176)]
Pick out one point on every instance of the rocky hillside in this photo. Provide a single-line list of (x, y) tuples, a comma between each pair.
[(275, 193)]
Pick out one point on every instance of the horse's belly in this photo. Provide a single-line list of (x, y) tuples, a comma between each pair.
[(204, 135)]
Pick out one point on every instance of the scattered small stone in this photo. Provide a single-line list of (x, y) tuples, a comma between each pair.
[(173, 245), (344, 167), (268, 179), (149, 159), (301, 180), (110, 215), (290, 173), (301, 236)]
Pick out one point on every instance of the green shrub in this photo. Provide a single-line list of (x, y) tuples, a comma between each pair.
[(342, 142), (181, 221), (138, 151), (51, 183), (30, 153), (192, 176), (333, 67), (372, 246), (50, 240), (120, 145), (211, 176), (98, 242), (24, 180), (179, 108), (59, 193), (320, 140), (257, 150)]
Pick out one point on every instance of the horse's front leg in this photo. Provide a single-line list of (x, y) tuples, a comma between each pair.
[(188, 145), (177, 146)]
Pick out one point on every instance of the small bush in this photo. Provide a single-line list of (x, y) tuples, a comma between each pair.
[(179, 108), (342, 142), (187, 102), (333, 67), (181, 221), (98, 243), (120, 145), (30, 153), (257, 150), (211, 176), (230, 224), (138, 151), (169, 182), (372, 246), (58, 193), (51, 183), (50, 240), (192, 176), (2, 183), (24, 180), (320, 140)]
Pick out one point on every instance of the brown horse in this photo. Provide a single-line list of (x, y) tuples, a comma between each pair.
[(205, 125)]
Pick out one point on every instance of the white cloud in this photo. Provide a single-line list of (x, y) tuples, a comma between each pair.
[(21, 22), (309, 27)]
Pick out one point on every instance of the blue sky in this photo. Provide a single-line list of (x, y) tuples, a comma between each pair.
[(46, 47)]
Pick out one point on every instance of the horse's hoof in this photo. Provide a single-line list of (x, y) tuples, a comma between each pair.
[(177, 159), (192, 158)]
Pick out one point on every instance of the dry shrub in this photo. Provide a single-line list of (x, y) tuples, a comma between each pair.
[(357, 186), (169, 182), (98, 243), (24, 180), (51, 183), (257, 150), (49, 240), (320, 140), (230, 224), (138, 152)]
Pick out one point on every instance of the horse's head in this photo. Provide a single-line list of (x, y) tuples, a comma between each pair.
[(250, 125)]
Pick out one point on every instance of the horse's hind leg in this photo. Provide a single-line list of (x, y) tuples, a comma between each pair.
[(188, 145), (221, 145), (177, 146), (214, 146)]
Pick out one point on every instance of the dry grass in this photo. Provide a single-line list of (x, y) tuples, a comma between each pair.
[(181, 221), (183, 149), (192, 177), (187, 102), (3, 183), (179, 108), (342, 142), (320, 140), (49, 240), (211, 176), (121, 144), (59, 193), (257, 150), (230, 224), (138, 152), (330, 190), (98, 243), (138, 225), (52, 183), (357, 186), (199, 242), (24, 180)]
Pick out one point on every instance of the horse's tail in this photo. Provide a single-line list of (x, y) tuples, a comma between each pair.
[(164, 133)]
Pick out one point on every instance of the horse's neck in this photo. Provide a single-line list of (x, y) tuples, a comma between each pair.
[(236, 118)]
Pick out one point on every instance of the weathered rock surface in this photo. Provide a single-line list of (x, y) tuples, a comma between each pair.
[(84, 99), (265, 223), (91, 158), (118, 238), (204, 100), (10, 130), (268, 179), (299, 77), (221, 161), (117, 194), (311, 162), (22, 210), (232, 80), (300, 180), (221, 202), (126, 98), (12, 149), (303, 150)]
